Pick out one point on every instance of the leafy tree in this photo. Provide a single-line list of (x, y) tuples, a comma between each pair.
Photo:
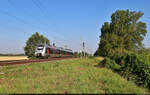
[(32, 42), (123, 34), (97, 53), (79, 54), (76, 54)]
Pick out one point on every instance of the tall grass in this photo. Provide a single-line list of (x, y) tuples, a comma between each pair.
[(65, 76)]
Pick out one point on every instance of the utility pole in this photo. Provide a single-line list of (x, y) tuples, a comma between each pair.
[(81, 47), (65, 46)]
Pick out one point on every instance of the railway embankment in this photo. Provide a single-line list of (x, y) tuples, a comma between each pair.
[(64, 76)]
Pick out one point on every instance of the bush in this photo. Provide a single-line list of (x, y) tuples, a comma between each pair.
[(136, 68), (91, 57), (109, 63), (120, 60)]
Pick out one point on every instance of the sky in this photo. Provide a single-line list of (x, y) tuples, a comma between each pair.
[(63, 22)]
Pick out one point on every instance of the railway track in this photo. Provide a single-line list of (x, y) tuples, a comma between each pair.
[(15, 62)]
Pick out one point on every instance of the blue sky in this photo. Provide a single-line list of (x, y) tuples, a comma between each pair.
[(64, 22)]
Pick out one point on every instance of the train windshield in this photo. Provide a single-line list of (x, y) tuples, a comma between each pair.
[(40, 47)]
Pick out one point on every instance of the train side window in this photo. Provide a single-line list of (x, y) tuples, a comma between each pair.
[(51, 51), (57, 51)]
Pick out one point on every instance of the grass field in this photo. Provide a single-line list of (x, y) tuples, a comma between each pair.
[(5, 58), (65, 76)]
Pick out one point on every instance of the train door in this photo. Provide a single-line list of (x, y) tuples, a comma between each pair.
[(52, 52), (47, 52), (55, 53), (66, 53), (58, 53), (62, 52)]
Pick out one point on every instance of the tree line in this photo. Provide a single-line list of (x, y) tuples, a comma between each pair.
[(22, 54)]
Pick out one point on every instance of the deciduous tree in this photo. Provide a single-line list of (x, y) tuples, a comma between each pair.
[(123, 34), (32, 42)]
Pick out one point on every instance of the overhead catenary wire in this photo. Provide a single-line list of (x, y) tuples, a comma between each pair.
[(40, 8), (18, 28), (20, 20), (12, 4), (38, 5), (15, 17), (43, 11)]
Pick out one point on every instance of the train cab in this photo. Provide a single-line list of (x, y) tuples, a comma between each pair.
[(40, 51)]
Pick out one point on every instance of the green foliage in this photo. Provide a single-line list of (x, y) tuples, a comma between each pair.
[(32, 42), (137, 69), (122, 35), (91, 57), (120, 40), (109, 63), (97, 53), (120, 60), (76, 54), (134, 67)]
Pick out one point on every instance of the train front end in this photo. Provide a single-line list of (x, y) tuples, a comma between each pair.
[(40, 51)]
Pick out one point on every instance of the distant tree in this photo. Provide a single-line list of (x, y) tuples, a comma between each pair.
[(32, 42), (97, 53), (79, 54), (123, 34), (75, 54)]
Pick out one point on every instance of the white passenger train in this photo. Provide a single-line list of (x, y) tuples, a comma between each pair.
[(46, 51)]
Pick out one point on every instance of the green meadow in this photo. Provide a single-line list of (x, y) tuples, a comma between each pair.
[(65, 76)]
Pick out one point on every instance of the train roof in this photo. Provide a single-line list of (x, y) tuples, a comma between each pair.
[(59, 48), (69, 50)]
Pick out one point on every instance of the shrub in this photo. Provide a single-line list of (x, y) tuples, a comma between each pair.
[(136, 68), (91, 57), (109, 63), (119, 59)]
